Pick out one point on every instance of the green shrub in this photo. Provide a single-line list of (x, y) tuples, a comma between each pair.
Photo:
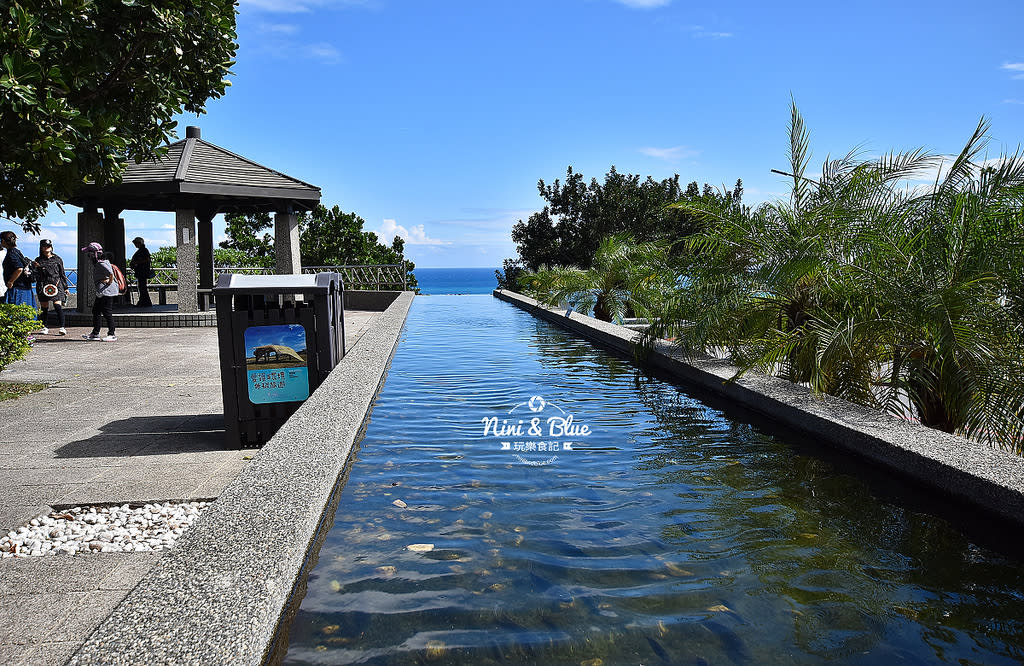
[(16, 323)]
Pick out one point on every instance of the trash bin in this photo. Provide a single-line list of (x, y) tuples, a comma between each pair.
[(279, 337)]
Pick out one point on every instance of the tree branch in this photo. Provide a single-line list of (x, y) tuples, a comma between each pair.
[(111, 78)]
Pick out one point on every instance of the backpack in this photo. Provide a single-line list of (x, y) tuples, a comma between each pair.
[(26, 271), (122, 284)]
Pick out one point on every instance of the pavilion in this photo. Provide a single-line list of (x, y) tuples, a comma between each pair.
[(196, 180)]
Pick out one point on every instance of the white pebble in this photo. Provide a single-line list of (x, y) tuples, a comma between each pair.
[(104, 529)]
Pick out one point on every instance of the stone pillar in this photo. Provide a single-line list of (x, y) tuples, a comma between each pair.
[(113, 237), (185, 234), (286, 244), (90, 230), (206, 250)]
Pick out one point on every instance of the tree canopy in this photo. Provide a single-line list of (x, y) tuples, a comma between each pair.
[(625, 279), (249, 236), (327, 237), (331, 237), (86, 85), (579, 216)]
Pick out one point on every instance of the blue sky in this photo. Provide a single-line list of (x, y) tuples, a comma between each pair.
[(435, 120), (289, 335)]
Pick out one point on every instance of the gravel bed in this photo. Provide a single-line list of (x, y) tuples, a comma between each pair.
[(104, 529)]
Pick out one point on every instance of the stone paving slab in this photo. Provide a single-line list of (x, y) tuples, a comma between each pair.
[(130, 421), (217, 597), (60, 600)]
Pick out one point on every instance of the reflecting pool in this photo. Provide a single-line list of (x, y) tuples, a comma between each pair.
[(665, 532)]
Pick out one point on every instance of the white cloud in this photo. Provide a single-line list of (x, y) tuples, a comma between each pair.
[(280, 6), (701, 32), (413, 236), (57, 237), (925, 179), (282, 42), (1016, 67), (301, 6), (644, 4), (58, 224), (279, 28), (994, 161), (669, 154), (324, 52), (1013, 101)]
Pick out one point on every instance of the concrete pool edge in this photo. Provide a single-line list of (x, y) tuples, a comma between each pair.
[(219, 595), (973, 473)]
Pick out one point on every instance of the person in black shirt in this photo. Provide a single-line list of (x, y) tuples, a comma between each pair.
[(51, 285), (142, 265), (16, 278)]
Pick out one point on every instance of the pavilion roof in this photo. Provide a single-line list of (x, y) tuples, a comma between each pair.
[(202, 176)]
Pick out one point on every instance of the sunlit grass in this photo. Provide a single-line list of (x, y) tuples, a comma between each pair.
[(14, 390)]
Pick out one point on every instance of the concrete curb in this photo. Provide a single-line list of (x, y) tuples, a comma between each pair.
[(218, 596), (969, 472)]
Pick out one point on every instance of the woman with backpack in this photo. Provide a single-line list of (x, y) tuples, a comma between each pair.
[(106, 290), (51, 285)]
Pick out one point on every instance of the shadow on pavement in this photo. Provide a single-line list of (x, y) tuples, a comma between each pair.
[(151, 435), (50, 339)]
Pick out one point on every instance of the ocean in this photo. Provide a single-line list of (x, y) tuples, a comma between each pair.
[(456, 280)]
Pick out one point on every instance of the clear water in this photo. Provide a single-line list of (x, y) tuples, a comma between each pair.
[(671, 535)]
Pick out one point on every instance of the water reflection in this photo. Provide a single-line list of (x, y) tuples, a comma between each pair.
[(672, 535)]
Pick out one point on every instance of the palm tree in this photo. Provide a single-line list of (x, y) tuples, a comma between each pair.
[(757, 275), (625, 279), (907, 299), (934, 284)]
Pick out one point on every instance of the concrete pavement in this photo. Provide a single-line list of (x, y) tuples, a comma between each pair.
[(124, 422)]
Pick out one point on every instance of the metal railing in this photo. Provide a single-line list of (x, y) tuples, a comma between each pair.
[(359, 276), (367, 275)]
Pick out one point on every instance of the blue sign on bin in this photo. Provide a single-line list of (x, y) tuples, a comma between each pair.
[(276, 363)]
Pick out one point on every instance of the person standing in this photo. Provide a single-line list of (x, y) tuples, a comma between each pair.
[(3, 283), (106, 290), (51, 285), (16, 278), (142, 266)]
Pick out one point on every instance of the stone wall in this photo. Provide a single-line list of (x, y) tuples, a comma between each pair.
[(218, 596), (974, 474)]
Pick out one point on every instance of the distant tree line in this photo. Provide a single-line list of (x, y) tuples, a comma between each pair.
[(578, 216)]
